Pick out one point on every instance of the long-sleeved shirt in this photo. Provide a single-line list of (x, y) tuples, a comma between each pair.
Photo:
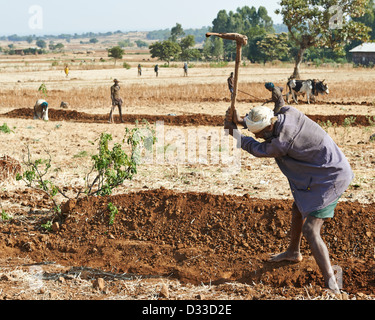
[(317, 170)]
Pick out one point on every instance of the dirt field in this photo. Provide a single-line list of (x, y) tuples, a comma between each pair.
[(185, 230)]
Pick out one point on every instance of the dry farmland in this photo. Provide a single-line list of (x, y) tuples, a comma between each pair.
[(189, 225)]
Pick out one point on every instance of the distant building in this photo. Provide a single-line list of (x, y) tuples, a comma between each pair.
[(364, 54), (19, 52)]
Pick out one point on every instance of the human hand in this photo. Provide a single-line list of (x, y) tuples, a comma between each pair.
[(228, 122)]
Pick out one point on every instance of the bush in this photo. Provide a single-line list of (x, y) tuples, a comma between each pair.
[(110, 168), (126, 65)]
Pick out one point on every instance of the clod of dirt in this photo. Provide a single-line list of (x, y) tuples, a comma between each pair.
[(9, 168), (99, 284)]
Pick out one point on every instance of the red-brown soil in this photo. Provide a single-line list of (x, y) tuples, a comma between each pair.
[(196, 238), (180, 120)]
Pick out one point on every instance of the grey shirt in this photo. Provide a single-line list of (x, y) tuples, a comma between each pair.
[(317, 170)]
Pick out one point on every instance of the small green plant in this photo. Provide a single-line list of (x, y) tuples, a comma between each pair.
[(5, 216), (47, 226), (113, 211), (81, 154), (349, 121), (113, 166), (325, 125), (4, 128), (34, 177), (371, 120), (43, 89)]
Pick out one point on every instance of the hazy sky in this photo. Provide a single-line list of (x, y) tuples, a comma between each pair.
[(25, 17)]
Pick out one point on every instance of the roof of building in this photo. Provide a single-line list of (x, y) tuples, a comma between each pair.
[(364, 47)]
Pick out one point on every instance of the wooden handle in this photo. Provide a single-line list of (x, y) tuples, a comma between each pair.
[(235, 81)]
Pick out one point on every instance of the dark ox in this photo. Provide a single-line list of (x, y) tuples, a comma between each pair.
[(311, 88)]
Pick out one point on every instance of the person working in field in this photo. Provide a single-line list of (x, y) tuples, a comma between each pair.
[(41, 110), (277, 96), (156, 69), (116, 100), (317, 171), (66, 70), (186, 67)]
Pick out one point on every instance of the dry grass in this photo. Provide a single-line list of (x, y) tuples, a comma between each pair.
[(141, 94)]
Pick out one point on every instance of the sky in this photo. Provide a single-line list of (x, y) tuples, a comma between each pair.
[(46, 17)]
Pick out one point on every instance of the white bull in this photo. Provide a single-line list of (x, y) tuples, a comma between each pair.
[(309, 87)]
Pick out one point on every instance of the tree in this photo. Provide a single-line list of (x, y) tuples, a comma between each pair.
[(116, 53), (41, 43), (141, 43), (94, 40), (252, 22), (322, 23), (274, 46), (213, 48), (369, 18), (176, 32), (187, 52), (165, 50)]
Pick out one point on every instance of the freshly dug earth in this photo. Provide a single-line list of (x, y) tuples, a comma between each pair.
[(9, 167), (197, 238), (181, 120)]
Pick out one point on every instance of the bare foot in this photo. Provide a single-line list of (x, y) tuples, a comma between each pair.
[(286, 256)]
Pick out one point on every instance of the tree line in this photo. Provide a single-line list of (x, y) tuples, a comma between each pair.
[(313, 30)]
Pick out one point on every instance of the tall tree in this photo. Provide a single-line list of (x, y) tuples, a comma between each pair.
[(165, 50), (274, 46), (187, 50), (116, 53), (254, 23), (176, 32), (322, 23), (369, 18)]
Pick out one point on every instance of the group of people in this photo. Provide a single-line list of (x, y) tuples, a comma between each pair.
[(317, 170), (156, 69), (115, 91)]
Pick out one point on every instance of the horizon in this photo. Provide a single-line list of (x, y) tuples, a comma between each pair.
[(44, 17), (102, 32)]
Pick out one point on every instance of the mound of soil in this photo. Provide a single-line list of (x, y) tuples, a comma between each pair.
[(197, 238), (9, 167), (178, 120)]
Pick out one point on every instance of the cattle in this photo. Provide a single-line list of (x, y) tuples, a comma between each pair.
[(41, 110), (311, 88)]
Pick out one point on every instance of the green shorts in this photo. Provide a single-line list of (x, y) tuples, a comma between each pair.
[(326, 212)]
